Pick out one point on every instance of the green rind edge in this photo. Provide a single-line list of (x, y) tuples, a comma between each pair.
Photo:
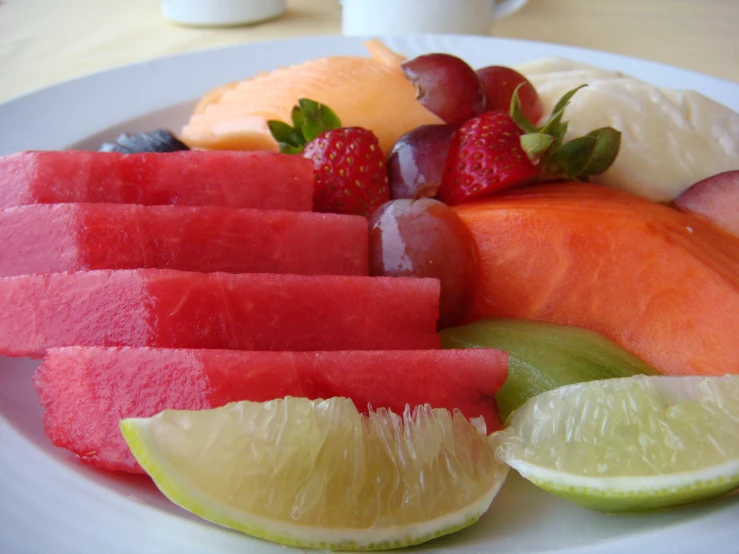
[(638, 501), (595, 356)]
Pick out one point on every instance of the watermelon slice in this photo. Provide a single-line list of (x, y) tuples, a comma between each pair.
[(69, 237), (251, 311), (87, 391), (263, 180)]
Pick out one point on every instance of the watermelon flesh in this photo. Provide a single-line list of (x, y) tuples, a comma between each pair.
[(53, 238), (250, 311), (261, 180), (87, 391)]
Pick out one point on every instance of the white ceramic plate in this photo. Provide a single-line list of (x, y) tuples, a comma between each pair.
[(51, 503)]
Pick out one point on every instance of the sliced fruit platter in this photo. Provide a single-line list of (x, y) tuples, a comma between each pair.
[(338, 305)]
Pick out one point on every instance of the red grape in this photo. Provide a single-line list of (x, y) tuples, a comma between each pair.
[(500, 82), (416, 163), (426, 238), (447, 86)]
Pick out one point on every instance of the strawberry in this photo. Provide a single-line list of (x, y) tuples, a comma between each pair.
[(499, 150), (350, 172), (348, 164), (485, 155)]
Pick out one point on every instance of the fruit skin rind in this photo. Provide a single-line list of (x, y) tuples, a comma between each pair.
[(534, 347), (633, 492), (166, 479)]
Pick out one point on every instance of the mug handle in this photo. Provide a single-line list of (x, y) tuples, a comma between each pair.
[(504, 8)]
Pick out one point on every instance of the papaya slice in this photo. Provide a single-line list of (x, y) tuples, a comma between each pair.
[(662, 284)]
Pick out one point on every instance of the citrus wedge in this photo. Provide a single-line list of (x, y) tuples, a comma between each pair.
[(629, 444), (318, 474)]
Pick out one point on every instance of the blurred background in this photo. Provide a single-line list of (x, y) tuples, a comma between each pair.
[(46, 41)]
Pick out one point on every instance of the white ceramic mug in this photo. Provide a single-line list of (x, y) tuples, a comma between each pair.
[(219, 13), (391, 17)]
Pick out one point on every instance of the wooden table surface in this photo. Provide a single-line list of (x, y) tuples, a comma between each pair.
[(46, 41)]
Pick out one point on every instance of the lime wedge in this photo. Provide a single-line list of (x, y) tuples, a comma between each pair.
[(317, 474), (629, 444)]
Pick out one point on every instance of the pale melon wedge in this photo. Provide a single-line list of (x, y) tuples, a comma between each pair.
[(552, 65)]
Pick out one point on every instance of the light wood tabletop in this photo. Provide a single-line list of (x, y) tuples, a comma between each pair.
[(46, 41)]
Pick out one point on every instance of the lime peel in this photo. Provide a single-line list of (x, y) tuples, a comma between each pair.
[(613, 494)]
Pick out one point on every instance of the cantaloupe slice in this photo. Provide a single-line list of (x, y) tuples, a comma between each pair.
[(213, 96), (369, 92), (380, 52), (661, 283)]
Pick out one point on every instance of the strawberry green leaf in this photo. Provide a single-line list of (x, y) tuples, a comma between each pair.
[(536, 144), (517, 113), (608, 143), (290, 149), (330, 118), (297, 117), (591, 154), (554, 125), (309, 119), (560, 133), (571, 159), (287, 137), (318, 118), (565, 100), (309, 108)]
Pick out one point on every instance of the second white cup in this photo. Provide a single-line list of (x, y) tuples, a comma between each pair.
[(390, 17)]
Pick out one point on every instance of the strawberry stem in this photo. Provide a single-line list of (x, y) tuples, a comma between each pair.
[(579, 158), (309, 120)]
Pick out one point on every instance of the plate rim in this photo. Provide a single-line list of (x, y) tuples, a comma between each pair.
[(653, 538), (80, 94), (24, 96)]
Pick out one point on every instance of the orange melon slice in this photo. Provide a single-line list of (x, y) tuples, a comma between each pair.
[(213, 96), (381, 53), (662, 284), (369, 92)]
